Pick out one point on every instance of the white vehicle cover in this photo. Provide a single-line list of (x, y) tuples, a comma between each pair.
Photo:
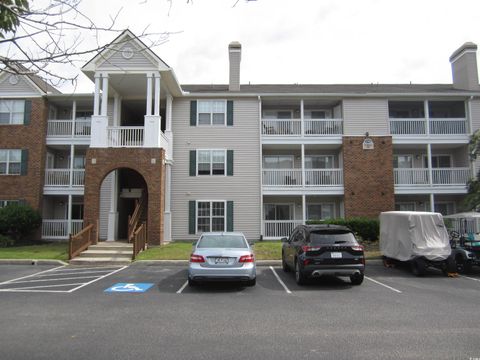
[(406, 234)]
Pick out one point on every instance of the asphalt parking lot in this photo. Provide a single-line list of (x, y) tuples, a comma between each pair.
[(65, 312)]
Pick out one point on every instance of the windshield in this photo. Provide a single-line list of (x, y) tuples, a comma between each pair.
[(332, 237), (222, 241)]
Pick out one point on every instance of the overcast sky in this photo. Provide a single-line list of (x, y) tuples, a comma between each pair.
[(302, 41)]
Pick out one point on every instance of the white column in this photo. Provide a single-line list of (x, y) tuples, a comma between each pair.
[(96, 99), (69, 222), (302, 118), (168, 125), (72, 156), (156, 110), (304, 209), (429, 159), (148, 111), (432, 203), (112, 229), (303, 165), (116, 110), (74, 111), (104, 95), (427, 117)]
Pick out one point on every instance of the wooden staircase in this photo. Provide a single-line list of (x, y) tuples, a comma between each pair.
[(105, 253)]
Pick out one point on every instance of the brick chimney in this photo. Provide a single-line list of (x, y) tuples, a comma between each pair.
[(234, 55), (464, 67)]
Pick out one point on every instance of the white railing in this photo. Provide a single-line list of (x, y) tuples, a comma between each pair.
[(61, 177), (451, 126), (58, 229), (448, 126), (63, 128), (407, 127), (323, 127), (125, 136), (450, 176), (279, 228), (323, 177), (276, 127), (282, 177), (440, 176)]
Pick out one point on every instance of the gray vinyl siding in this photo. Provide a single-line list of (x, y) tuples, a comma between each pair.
[(105, 194), (243, 188), (362, 115), (139, 60), (22, 88), (475, 113)]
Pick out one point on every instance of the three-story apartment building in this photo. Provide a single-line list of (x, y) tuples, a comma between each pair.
[(253, 158)]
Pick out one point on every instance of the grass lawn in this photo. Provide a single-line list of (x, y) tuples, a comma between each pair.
[(264, 250), (55, 251)]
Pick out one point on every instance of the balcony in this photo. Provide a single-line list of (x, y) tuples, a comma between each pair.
[(293, 177), (69, 128), (419, 177), (64, 177), (125, 136), (275, 229), (418, 127), (58, 229), (293, 127)]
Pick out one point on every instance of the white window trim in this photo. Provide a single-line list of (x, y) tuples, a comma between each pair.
[(307, 217), (211, 162), (292, 157), (211, 201), (411, 156), (321, 156), (4, 203), (11, 112), (7, 173), (211, 113)]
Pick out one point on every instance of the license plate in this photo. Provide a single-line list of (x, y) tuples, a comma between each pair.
[(221, 260), (336, 255)]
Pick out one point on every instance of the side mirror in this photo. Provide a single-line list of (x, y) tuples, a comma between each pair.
[(284, 240)]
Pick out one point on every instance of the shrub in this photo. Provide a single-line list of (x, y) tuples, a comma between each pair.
[(365, 228), (5, 241), (18, 221)]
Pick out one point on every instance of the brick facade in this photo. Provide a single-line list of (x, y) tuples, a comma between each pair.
[(29, 137), (368, 176), (140, 160)]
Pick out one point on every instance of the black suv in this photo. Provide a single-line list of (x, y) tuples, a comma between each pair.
[(316, 250)]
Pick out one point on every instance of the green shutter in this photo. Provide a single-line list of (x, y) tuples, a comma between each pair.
[(193, 163), (193, 113), (229, 215), (230, 113), (24, 164), (191, 217), (27, 114), (229, 162)]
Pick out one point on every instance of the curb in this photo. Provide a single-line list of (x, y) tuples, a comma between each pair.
[(31, 262)]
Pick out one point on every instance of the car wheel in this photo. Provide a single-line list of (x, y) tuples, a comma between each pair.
[(252, 282), (356, 279), (463, 265), (299, 277), (418, 266), (449, 266), (192, 282), (284, 264)]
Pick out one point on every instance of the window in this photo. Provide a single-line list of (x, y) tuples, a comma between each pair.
[(12, 111), (78, 162), (278, 162), (280, 212), (277, 114), (317, 114), (446, 109), (4, 203), (445, 208), (211, 162), (10, 162), (319, 162), (406, 206), (320, 211), (402, 161), (406, 109), (439, 161), (210, 216), (211, 112)]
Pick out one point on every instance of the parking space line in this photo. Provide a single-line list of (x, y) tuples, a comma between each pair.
[(280, 280), (384, 285), (94, 280), (100, 268), (63, 273), (55, 279), (466, 277), (25, 277), (41, 287), (182, 288)]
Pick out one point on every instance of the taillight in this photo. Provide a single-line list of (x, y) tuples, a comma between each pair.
[(246, 258), (194, 258), (357, 248), (310, 248)]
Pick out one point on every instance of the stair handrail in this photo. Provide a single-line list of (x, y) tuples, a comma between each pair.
[(80, 241), (134, 218), (139, 240)]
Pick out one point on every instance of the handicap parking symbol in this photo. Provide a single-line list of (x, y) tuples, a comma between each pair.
[(130, 287)]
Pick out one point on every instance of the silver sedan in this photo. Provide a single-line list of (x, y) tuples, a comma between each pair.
[(221, 256)]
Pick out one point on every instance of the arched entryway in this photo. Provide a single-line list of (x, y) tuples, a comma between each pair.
[(116, 180)]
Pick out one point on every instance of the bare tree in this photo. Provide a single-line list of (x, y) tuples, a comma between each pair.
[(33, 39)]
